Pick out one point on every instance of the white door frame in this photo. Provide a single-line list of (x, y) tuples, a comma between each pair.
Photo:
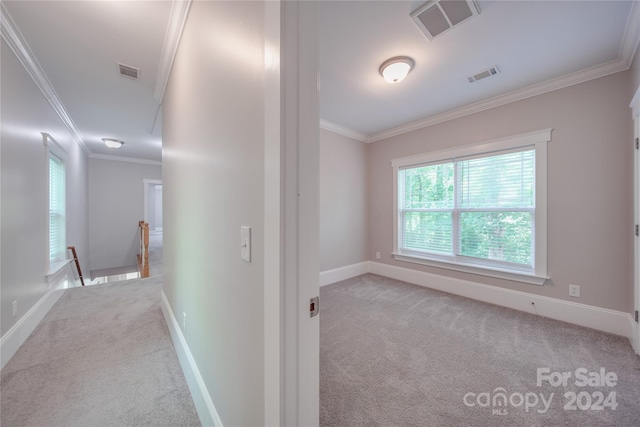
[(147, 182), (292, 337), (635, 106)]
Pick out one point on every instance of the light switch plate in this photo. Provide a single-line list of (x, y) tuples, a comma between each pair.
[(245, 243)]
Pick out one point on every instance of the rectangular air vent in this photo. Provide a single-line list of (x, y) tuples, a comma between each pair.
[(438, 16), (492, 71), (127, 71)]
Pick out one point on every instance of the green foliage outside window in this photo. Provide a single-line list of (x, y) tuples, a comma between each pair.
[(486, 203)]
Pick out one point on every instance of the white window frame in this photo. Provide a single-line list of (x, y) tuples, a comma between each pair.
[(537, 139), (53, 148)]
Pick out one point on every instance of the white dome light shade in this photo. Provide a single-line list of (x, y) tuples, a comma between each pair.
[(112, 143), (394, 70)]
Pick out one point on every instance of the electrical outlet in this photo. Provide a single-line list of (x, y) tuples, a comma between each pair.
[(184, 322), (574, 291), (14, 308), (377, 255)]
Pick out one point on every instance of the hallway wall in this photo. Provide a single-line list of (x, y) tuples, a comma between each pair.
[(213, 183), (116, 204), (25, 192)]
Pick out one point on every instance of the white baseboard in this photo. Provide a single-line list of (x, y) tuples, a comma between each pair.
[(602, 319), (635, 332), (18, 334), (328, 277), (201, 397)]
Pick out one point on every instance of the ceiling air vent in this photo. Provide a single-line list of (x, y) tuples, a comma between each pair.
[(128, 71), (492, 71), (437, 17)]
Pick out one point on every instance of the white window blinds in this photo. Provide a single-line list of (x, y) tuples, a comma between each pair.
[(480, 207), (57, 218), (496, 208)]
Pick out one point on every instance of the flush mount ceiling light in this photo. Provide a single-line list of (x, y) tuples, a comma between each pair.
[(112, 143), (394, 70)]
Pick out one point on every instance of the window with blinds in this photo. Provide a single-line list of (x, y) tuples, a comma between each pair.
[(57, 219), (480, 206)]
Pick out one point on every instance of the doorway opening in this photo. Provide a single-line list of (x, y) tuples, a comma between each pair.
[(153, 204)]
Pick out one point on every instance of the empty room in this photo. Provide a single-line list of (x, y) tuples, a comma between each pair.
[(485, 186), (320, 213)]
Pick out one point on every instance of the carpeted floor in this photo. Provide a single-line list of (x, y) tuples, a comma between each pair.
[(102, 356), (395, 354)]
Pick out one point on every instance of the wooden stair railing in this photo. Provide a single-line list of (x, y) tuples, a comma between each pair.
[(75, 258), (143, 256)]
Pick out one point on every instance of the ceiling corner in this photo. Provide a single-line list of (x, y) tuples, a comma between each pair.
[(177, 19), (341, 130), (631, 36), (11, 34)]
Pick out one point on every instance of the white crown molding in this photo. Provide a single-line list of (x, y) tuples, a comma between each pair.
[(341, 130), (11, 34), (626, 54), (631, 37), (582, 76), (177, 19), (507, 98), (125, 159)]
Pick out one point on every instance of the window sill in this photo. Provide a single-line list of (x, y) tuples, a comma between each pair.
[(55, 269), (516, 276)]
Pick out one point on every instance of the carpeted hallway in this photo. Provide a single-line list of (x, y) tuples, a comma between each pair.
[(396, 354), (102, 356)]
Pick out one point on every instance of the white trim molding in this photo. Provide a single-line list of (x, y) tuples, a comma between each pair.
[(626, 54), (328, 277), (177, 19), (631, 37), (125, 159), (534, 274), (341, 130), (582, 76), (601, 319), (146, 182), (635, 107), (18, 334), (201, 398), (11, 34)]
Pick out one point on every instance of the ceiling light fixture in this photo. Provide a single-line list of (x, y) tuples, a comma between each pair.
[(112, 143), (394, 70)]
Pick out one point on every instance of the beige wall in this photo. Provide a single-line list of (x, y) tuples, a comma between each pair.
[(116, 204), (343, 201), (213, 183), (24, 196), (589, 191)]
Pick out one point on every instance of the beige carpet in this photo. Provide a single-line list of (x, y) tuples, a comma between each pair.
[(395, 354), (102, 356)]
